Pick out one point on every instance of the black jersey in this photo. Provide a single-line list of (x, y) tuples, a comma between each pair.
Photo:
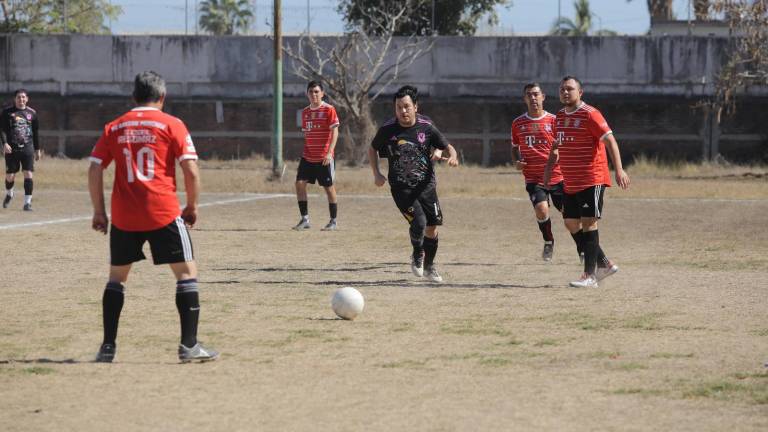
[(18, 128), (408, 150)]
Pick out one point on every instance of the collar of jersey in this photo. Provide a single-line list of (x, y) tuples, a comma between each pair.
[(581, 105), (143, 108), (537, 118)]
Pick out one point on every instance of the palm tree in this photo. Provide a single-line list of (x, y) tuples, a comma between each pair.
[(225, 17), (579, 26)]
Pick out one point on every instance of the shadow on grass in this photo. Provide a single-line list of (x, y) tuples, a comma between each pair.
[(42, 361), (406, 283)]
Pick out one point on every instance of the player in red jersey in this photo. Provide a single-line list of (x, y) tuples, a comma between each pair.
[(320, 125), (145, 145), (582, 139), (532, 137)]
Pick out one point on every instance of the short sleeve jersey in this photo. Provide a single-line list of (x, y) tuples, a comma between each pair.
[(19, 128), (582, 152), (408, 151), (145, 144), (533, 137), (317, 125)]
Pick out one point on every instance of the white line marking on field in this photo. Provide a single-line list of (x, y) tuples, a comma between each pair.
[(82, 218)]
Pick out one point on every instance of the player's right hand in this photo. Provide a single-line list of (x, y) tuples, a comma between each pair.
[(100, 222), (519, 165), (379, 179), (7, 149)]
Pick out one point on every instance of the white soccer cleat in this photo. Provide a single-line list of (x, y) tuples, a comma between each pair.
[(330, 226), (585, 281), (302, 225), (432, 274), (603, 272), (417, 264), (549, 248)]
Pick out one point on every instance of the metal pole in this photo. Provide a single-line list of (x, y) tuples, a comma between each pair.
[(559, 15), (433, 17), (277, 98), (307, 17)]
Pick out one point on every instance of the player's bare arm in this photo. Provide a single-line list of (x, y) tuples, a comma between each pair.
[(100, 221), (554, 155), (334, 137), (517, 160), (453, 156), (373, 160), (192, 186), (622, 178)]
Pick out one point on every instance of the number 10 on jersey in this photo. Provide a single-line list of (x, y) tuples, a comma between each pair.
[(145, 164)]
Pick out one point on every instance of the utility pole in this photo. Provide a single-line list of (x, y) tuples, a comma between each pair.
[(308, 17), (559, 15), (278, 167), (433, 18)]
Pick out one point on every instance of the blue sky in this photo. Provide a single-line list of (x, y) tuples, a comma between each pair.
[(525, 17)]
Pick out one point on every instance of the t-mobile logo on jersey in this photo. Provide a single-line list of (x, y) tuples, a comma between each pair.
[(530, 140), (561, 137)]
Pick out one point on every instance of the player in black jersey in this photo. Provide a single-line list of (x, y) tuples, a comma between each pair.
[(411, 144), (18, 136)]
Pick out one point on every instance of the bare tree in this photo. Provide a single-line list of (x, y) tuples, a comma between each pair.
[(356, 69), (747, 61)]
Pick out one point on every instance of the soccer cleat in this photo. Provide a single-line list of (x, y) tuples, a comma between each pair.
[(546, 254), (7, 200), (106, 353), (430, 272), (197, 353), (302, 225), (417, 264), (586, 281), (330, 226), (608, 270), (28, 207)]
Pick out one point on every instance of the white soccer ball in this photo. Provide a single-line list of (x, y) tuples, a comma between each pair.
[(347, 302)]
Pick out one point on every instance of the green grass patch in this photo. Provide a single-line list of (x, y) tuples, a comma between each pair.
[(761, 332), (403, 327), (495, 361), (473, 328), (643, 322), (637, 391), (546, 342), (38, 370), (627, 366), (580, 321), (613, 355), (405, 364), (668, 355)]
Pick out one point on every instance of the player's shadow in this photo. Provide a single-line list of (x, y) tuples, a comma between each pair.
[(41, 361), (239, 229), (410, 283)]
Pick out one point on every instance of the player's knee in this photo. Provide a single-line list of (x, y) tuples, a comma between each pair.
[(431, 231), (542, 210), (419, 224), (588, 224)]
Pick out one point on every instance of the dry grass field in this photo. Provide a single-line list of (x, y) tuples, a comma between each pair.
[(677, 340)]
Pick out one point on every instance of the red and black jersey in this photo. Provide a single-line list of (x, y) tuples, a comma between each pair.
[(317, 125), (533, 137), (583, 157)]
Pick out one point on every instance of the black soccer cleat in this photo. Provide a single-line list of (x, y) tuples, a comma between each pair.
[(106, 353), (28, 207), (7, 200), (549, 248)]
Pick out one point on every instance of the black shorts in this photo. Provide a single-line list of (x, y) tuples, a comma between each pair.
[(411, 202), (584, 203), (16, 160), (169, 244), (538, 193), (311, 171)]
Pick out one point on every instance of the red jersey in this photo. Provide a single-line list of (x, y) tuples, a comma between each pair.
[(533, 137), (317, 125), (582, 152), (145, 144)]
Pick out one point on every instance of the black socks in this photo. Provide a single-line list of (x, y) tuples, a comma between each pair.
[(188, 305), (112, 305)]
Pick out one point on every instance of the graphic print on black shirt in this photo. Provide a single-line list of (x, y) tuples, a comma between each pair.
[(19, 126), (408, 150)]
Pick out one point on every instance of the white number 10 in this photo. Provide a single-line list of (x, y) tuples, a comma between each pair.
[(141, 155)]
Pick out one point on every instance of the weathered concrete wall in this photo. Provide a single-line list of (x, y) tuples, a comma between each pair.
[(646, 87)]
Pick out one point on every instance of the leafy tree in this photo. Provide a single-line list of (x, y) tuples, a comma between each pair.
[(225, 17), (452, 17), (660, 9), (580, 25), (57, 16)]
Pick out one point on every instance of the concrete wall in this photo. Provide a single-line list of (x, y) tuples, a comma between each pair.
[(222, 87)]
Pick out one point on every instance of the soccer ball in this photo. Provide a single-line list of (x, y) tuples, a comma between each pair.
[(347, 302)]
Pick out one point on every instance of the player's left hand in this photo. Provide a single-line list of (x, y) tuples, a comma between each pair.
[(100, 222), (453, 161), (189, 214), (622, 179), (7, 149), (38, 154), (327, 159)]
